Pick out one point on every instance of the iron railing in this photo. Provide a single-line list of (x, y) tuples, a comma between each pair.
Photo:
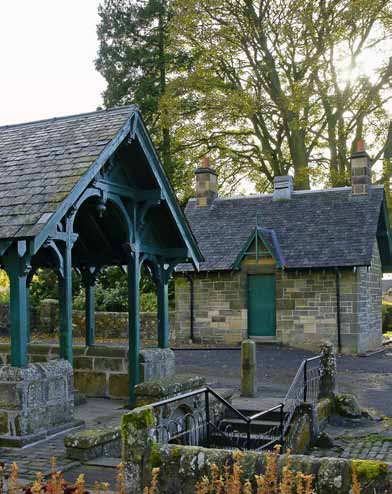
[(304, 388), (208, 426)]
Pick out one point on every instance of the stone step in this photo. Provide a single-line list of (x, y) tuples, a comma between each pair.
[(257, 426), (240, 441)]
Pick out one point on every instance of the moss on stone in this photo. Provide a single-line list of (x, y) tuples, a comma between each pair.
[(139, 419), (346, 405), (176, 452), (155, 455), (89, 438), (370, 469), (324, 409)]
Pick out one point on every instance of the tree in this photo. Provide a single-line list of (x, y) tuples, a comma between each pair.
[(134, 60), (277, 86)]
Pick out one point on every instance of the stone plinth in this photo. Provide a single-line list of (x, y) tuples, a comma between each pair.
[(35, 401)]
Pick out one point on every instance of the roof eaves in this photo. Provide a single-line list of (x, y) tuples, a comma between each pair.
[(178, 214)]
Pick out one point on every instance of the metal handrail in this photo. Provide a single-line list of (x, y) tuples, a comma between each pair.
[(264, 412), (198, 392), (206, 390)]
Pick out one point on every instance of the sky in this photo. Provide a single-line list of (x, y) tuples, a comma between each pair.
[(47, 52)]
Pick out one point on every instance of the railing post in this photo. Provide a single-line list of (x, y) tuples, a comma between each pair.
[(207, 404), (282, 424), (305, 380), (248, 433)]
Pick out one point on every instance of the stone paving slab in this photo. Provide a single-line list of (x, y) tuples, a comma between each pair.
[(362, 439)]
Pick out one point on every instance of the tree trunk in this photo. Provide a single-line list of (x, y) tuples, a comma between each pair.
[(165, 143), (300, 160)]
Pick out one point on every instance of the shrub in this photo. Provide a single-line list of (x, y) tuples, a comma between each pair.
[(386, 317)]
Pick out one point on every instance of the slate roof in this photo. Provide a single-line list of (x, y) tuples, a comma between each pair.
[(41, 162), (326, 228)]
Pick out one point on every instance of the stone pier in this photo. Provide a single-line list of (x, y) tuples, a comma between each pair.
[(35, 402)]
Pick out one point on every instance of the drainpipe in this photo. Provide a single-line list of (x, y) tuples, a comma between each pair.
[(191, 306), (338, 323)]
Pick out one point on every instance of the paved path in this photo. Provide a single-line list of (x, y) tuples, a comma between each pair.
[(369, 378), (37, 457)]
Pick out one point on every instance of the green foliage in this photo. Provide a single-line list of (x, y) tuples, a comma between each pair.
[(4, 288), (386, 317), (45, 285), (265, 88), (280, 86), (136, 62), (111, 291)]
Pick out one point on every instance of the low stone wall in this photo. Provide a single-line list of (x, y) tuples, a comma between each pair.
[(108, 325), (102, 370), (35, 401), (183, 466)]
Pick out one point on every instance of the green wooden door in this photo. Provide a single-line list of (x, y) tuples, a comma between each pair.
[(261, 305)]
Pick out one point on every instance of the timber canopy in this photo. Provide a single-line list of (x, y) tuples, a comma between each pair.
[(84, 192)]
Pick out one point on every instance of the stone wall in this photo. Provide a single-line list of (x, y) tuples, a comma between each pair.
[(102, 370), (108, 325), (220, 316), (370, 304), (182, 467), (306, 306), (36, 401)]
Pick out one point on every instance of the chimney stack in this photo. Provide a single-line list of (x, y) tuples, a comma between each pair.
[(283, 188), (206, 184), (361, 167)]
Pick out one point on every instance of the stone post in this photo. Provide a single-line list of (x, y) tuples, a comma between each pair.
[(138, 443), (327, 372), (248, 368)]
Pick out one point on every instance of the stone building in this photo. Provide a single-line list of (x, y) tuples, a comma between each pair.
[(293, 267)]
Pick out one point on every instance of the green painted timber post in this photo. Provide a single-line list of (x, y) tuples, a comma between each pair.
[(29, 280), (90, 315), (163, 310), (28, 319), (16, 266), (65, 303), (134, 323), (89, 277)]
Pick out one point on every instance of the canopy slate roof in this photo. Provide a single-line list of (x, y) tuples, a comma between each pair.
[(325, 228), (41, 162)]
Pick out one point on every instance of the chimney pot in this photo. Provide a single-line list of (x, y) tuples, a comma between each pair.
[(206, 162), (360, 146)]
